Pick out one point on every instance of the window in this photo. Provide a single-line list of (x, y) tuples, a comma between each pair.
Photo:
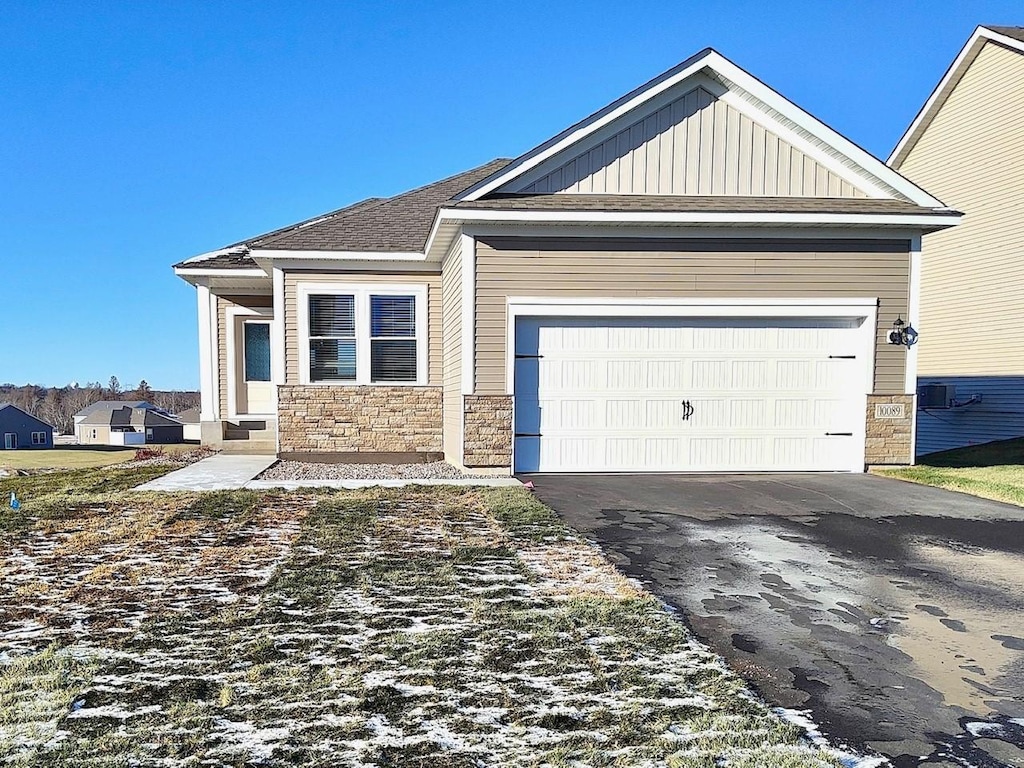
[(364, 334), (256, 351), (10, 441), (38, 438)]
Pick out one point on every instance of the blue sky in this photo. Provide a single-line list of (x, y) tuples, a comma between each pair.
[(133, 135)]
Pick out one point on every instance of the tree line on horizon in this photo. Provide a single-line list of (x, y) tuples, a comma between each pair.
[(58, 405)]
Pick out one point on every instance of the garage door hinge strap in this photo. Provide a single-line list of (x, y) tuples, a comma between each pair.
[(842, 357), (839, 434)]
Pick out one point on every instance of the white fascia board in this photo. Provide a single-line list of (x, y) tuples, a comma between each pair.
[(324, 265), (597, 121), (871, 164), (213, 272), (207, 382), (911, 220), (266, 253), (498, 229), (939, 95)]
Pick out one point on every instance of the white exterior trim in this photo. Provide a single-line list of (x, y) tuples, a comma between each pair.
[(230, 315), (212, 272), (207, 382), (362, 292), (317, 255), (715, 62), (938, 96), (277, 358), (468, 315), (214, 354), (913, 312), (906, 220), (363, 266), (499, 229), (867, 308)]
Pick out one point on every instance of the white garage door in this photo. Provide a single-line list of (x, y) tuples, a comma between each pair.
[(688, 395)]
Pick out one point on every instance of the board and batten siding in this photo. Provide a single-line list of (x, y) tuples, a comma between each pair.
[(729, 269), (999, 415), (223, 304), (695, 145), (291, 320), (972, 158), (451, 350)]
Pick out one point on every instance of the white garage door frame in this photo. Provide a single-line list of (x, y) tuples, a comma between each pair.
[(865, 308)]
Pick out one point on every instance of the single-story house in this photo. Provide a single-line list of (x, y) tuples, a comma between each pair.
[(125, 423), (966, 145), (23, 430), (700, 276)]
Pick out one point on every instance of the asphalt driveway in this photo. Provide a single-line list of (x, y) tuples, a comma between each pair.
[(894, 612)]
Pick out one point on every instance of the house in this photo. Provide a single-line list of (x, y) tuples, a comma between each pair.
[(966, 146), (115, 422), (190, 429), (699, 276), (23, 430), (106, 406)]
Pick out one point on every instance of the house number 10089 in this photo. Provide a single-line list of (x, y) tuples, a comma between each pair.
[(890, 411)]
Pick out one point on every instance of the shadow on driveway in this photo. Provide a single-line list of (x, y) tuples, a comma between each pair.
[(894, 612)]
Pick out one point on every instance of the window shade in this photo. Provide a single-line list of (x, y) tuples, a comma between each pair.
[(392, 338), (332, 316)]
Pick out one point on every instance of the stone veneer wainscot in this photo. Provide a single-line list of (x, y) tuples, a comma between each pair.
[(488, 431), (359, 419), (889, 441)]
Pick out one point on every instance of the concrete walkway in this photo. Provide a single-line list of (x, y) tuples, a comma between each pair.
[(220, 472), (224, 472)]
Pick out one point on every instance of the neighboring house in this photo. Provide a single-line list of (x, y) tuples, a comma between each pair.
[(125, 423), (698, 277), (191, 431), (104, 406), (966, 145), (19, 429)]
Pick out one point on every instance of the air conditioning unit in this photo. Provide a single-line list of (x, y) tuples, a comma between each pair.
[(935, 396)]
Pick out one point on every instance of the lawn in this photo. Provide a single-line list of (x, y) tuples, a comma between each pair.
[(992, 471), (412, 627), (64, 458)]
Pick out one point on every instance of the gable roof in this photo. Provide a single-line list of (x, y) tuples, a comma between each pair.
[(5, 406), (399, 224), (1011, 38), (753, 95), (107, 405)]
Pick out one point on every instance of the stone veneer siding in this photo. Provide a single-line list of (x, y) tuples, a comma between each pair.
[(889, 441), (487, 430), (364, 419)]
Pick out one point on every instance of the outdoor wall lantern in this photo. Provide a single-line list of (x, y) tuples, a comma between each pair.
[(902, 334)]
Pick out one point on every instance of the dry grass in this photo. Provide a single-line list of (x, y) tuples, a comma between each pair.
[(77, 457), (992, 471), (418, 627)]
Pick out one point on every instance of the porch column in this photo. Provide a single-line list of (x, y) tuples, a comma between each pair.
[(207, 351)]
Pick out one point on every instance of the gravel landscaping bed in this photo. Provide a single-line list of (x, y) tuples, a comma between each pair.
[(301, 470)]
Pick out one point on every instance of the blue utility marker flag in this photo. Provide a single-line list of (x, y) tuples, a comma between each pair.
[(15, 504)]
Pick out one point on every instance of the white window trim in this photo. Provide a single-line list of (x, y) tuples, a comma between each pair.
[(543, 306), (362, 293), (230, 315), (7, 444)]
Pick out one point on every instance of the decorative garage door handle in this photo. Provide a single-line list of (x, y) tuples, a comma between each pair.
[(687, 410)]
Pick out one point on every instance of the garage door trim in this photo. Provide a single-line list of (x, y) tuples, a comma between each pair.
[(555, 307)]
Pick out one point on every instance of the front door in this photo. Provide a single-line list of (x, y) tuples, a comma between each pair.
[(255, 391), (10, 441)]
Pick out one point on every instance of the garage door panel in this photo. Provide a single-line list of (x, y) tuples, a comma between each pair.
[(599, 394)]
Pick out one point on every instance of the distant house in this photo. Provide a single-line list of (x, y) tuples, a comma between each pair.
[(967, 147), (116, 422), (190, 425), (23, 430)]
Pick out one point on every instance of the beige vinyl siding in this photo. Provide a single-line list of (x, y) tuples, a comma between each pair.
[(223, 304), (972, 158), (451, 350), (292, 331), (695, 145), (692, 269)]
